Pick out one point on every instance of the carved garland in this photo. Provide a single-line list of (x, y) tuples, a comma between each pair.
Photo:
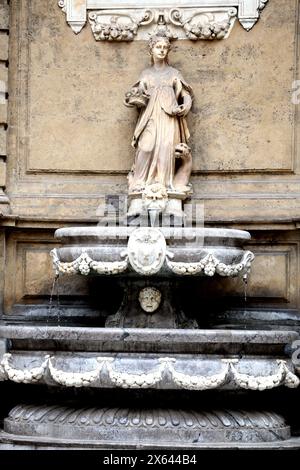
[(26, 376), (209, 265), (195, 382), (283, 376), (75, 379), (144, 380), (84, 264)]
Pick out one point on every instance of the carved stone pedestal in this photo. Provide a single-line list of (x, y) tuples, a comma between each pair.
[(157, 427)]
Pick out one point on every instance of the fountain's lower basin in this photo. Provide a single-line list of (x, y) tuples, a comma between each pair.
[(153, 359), (145, 361), (147, 339)]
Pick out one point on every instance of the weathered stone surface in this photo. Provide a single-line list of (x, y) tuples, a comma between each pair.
[(4, 203), (40, 443), (3, 45), (3, 82), (3, 112), (4, 14), (147, 340), (156, 371), (2, 173), (192, 251), (3, 135), (146, 426)]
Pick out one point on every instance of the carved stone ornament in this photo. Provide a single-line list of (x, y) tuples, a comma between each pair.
[(160, 428), (150, 299), (155, 197), (108, 372), (147, 250), (210, 265), (85, 265), (124, 20), (147, 254)]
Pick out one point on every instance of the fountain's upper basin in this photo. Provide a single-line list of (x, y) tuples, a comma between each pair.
[(184, 244), (175, 235)]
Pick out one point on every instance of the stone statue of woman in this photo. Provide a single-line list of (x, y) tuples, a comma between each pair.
[(161, 134)]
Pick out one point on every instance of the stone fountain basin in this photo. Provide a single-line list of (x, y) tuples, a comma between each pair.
[(107, 235), (154, 340), (184, 245), (149, 358)]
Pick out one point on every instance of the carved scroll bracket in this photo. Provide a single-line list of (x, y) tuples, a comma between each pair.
[(126, 20)]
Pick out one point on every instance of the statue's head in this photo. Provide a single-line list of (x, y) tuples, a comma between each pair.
[(159, 47), (150, 299)]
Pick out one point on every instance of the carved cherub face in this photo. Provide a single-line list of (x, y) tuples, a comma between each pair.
[(150, 299)]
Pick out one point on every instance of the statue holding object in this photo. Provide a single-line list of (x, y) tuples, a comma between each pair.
[(163, 161)]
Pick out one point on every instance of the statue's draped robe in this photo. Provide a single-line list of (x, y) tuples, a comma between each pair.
[(157, 131)]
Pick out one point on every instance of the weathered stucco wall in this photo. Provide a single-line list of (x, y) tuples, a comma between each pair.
[(69, 145)]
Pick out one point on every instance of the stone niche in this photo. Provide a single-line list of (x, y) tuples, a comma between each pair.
[(70, 133)]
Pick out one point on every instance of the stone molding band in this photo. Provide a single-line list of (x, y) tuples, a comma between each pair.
[(106, 372)]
